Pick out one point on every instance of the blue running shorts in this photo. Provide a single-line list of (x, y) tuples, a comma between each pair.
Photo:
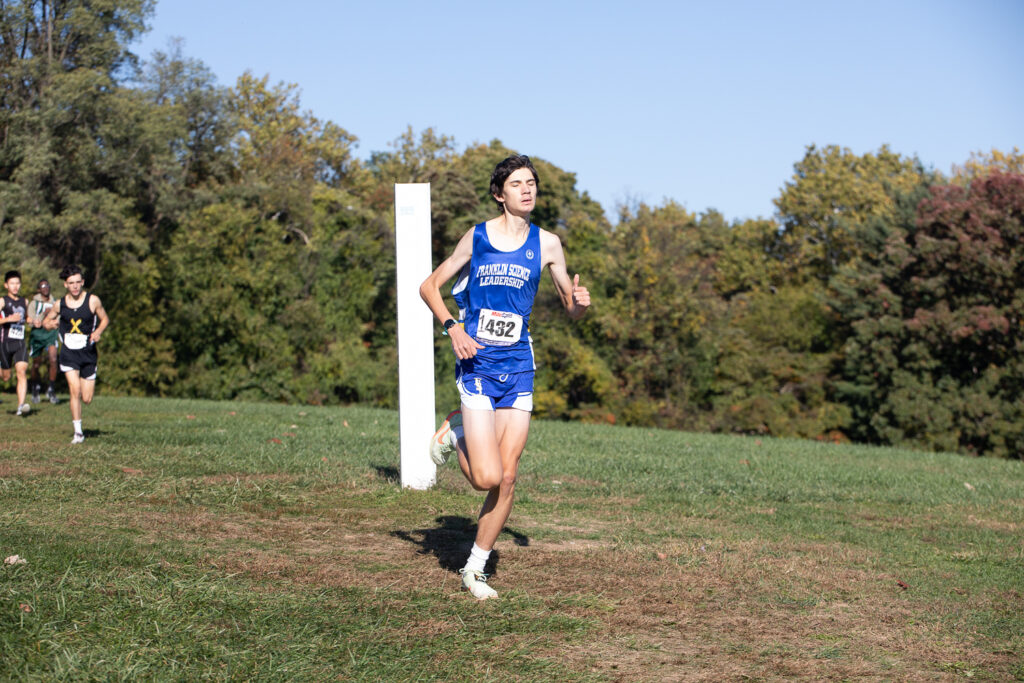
[(514, 390)]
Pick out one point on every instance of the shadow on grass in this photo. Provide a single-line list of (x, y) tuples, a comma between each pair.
[(388, 473), (451, 540)]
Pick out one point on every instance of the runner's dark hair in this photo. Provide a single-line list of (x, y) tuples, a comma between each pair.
[(507, 167), (70, 270)]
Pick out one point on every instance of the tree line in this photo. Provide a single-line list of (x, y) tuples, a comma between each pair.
[(243, 251)]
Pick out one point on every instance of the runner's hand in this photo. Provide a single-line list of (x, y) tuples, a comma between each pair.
[(580, 295), (465, 347)]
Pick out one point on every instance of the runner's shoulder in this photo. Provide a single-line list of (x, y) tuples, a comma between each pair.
[(550, 245)]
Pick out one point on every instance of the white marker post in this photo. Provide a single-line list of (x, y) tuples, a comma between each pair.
[(415, 335)]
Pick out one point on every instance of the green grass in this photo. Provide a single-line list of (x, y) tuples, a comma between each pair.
[(201, 540)]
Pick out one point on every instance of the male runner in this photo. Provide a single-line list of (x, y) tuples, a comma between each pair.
[(42, 342), (80, 319), (13, 351), (499, 264)]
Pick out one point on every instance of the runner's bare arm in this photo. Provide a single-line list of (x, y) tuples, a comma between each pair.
[(50, 321), (575, 297), (101, 313), (430, 291)]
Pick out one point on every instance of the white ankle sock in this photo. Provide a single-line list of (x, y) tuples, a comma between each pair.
[(477, 558), (78, 426)]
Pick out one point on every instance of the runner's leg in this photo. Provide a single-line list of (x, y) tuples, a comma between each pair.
[(75, 389), (20, 369), (88, 389), (36, 381), (484, 469), (511, 428), (52, 350), (496, 440)]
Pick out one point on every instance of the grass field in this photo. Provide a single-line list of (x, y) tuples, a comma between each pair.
[(197, 540)]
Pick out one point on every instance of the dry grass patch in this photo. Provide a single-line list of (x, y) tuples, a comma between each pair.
[(994, 524), (684, 611), (247, 479), (706, 609), (10, 469), (702, 610), (743, 614)]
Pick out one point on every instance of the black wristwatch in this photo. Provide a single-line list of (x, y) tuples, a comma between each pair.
[(450, 323)]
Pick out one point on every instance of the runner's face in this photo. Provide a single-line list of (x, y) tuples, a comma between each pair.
[(44, 289), (74, 284), (14, 286), (520, 191)]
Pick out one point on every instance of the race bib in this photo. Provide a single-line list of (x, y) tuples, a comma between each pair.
[(75, 341), (499, 328), (17, 330)]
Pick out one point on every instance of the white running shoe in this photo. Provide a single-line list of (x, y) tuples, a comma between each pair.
[(476, 583), (79, 437), (443, 444), (26, 408)]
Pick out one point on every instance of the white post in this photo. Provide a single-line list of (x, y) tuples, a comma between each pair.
[(415, 335)]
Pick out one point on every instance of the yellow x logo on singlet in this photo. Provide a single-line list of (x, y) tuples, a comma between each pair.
[(75, 329)]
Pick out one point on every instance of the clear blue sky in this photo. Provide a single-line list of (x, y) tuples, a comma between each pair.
[(706, 103)]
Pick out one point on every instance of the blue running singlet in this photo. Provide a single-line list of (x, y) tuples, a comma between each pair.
[(495, 293)]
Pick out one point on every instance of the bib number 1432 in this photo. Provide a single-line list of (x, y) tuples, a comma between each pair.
[(499, 328)]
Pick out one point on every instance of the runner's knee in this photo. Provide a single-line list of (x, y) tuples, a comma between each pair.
[(490, 480)]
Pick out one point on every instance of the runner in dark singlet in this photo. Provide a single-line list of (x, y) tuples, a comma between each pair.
[(80, 319), (13, 349)]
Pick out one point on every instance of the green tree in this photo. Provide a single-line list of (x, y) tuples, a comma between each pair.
[(833, 191), (67, 171), (934, 354), (653, 317), (250, 289), (234, 280), (59, 63), (980, 165)]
